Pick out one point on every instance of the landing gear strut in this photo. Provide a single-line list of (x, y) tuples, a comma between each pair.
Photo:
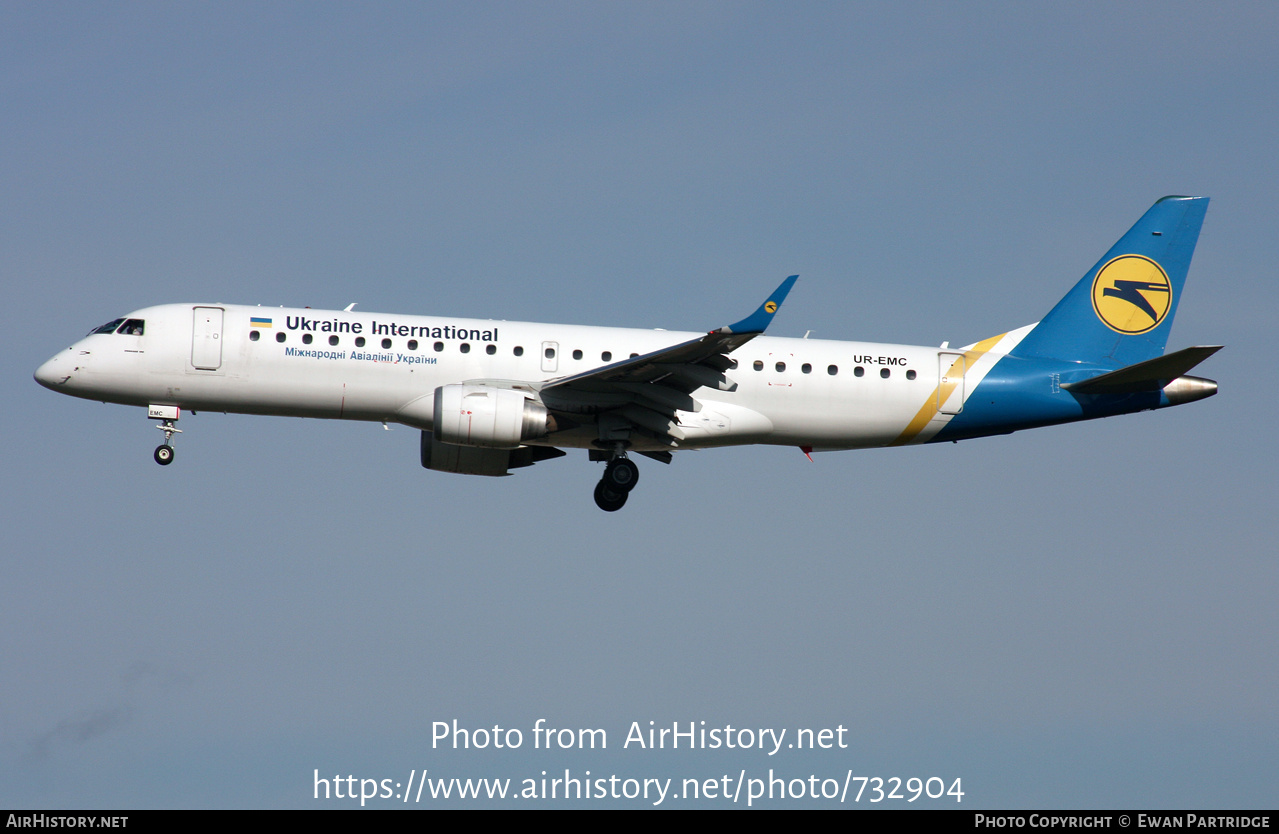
[(620, 477), (167, 415)]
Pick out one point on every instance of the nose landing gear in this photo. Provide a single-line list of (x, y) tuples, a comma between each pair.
[(164, 454), (167, 415)]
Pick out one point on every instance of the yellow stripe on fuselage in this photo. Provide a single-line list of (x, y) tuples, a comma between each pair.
[(943, 390)]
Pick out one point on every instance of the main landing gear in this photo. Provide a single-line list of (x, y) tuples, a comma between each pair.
[(168, 416), (620, 477)]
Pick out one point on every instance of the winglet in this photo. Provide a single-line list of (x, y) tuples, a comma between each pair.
[(759, 320)]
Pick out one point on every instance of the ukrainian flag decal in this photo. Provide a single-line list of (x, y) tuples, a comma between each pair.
[(1131, 294), (257, 322)]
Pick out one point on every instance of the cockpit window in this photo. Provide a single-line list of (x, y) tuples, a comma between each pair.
[(133, 327), (109, 327)]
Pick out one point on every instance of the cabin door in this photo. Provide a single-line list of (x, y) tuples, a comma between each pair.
[(950, 382), (206, 339)]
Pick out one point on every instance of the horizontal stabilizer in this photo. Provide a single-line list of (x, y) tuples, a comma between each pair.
[(1151, 375)]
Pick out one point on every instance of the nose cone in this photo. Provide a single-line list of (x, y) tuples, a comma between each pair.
[(54, 372)]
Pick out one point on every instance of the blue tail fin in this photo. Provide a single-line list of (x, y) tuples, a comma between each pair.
[(1120, 312)]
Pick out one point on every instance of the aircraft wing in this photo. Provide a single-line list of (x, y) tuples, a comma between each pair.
[(647, 390)]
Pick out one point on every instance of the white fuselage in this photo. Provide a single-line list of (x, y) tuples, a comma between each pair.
[(379, 367), (495, 396)]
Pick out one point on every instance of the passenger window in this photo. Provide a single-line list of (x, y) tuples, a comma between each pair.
[(412, 344), (884, 373), (910, 374), (254, 335), (465, 347), (732, 364), (550, 353), (386, 344), (606, 356), (757, 365), (806, 368), (859, 371), (306, 338), (333, 340), (832, 369), (635, 356), (781, 366), (577, 354), (519, 351), (439, 346), (359, 341), (280, 337)]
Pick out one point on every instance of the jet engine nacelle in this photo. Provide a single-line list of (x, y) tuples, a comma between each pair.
[(477, 460), (481, 415)]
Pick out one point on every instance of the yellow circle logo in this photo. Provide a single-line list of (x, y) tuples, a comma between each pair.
[(771, 306), (1131, 294)]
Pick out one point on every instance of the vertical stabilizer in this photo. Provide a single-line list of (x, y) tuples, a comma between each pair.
[(1121, 311)]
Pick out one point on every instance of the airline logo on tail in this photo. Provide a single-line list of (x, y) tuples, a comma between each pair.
[(1131, 294)]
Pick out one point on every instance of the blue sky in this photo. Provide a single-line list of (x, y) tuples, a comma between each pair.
[(1077, 616)]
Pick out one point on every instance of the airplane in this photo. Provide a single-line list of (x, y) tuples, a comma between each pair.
[(493, 396)]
